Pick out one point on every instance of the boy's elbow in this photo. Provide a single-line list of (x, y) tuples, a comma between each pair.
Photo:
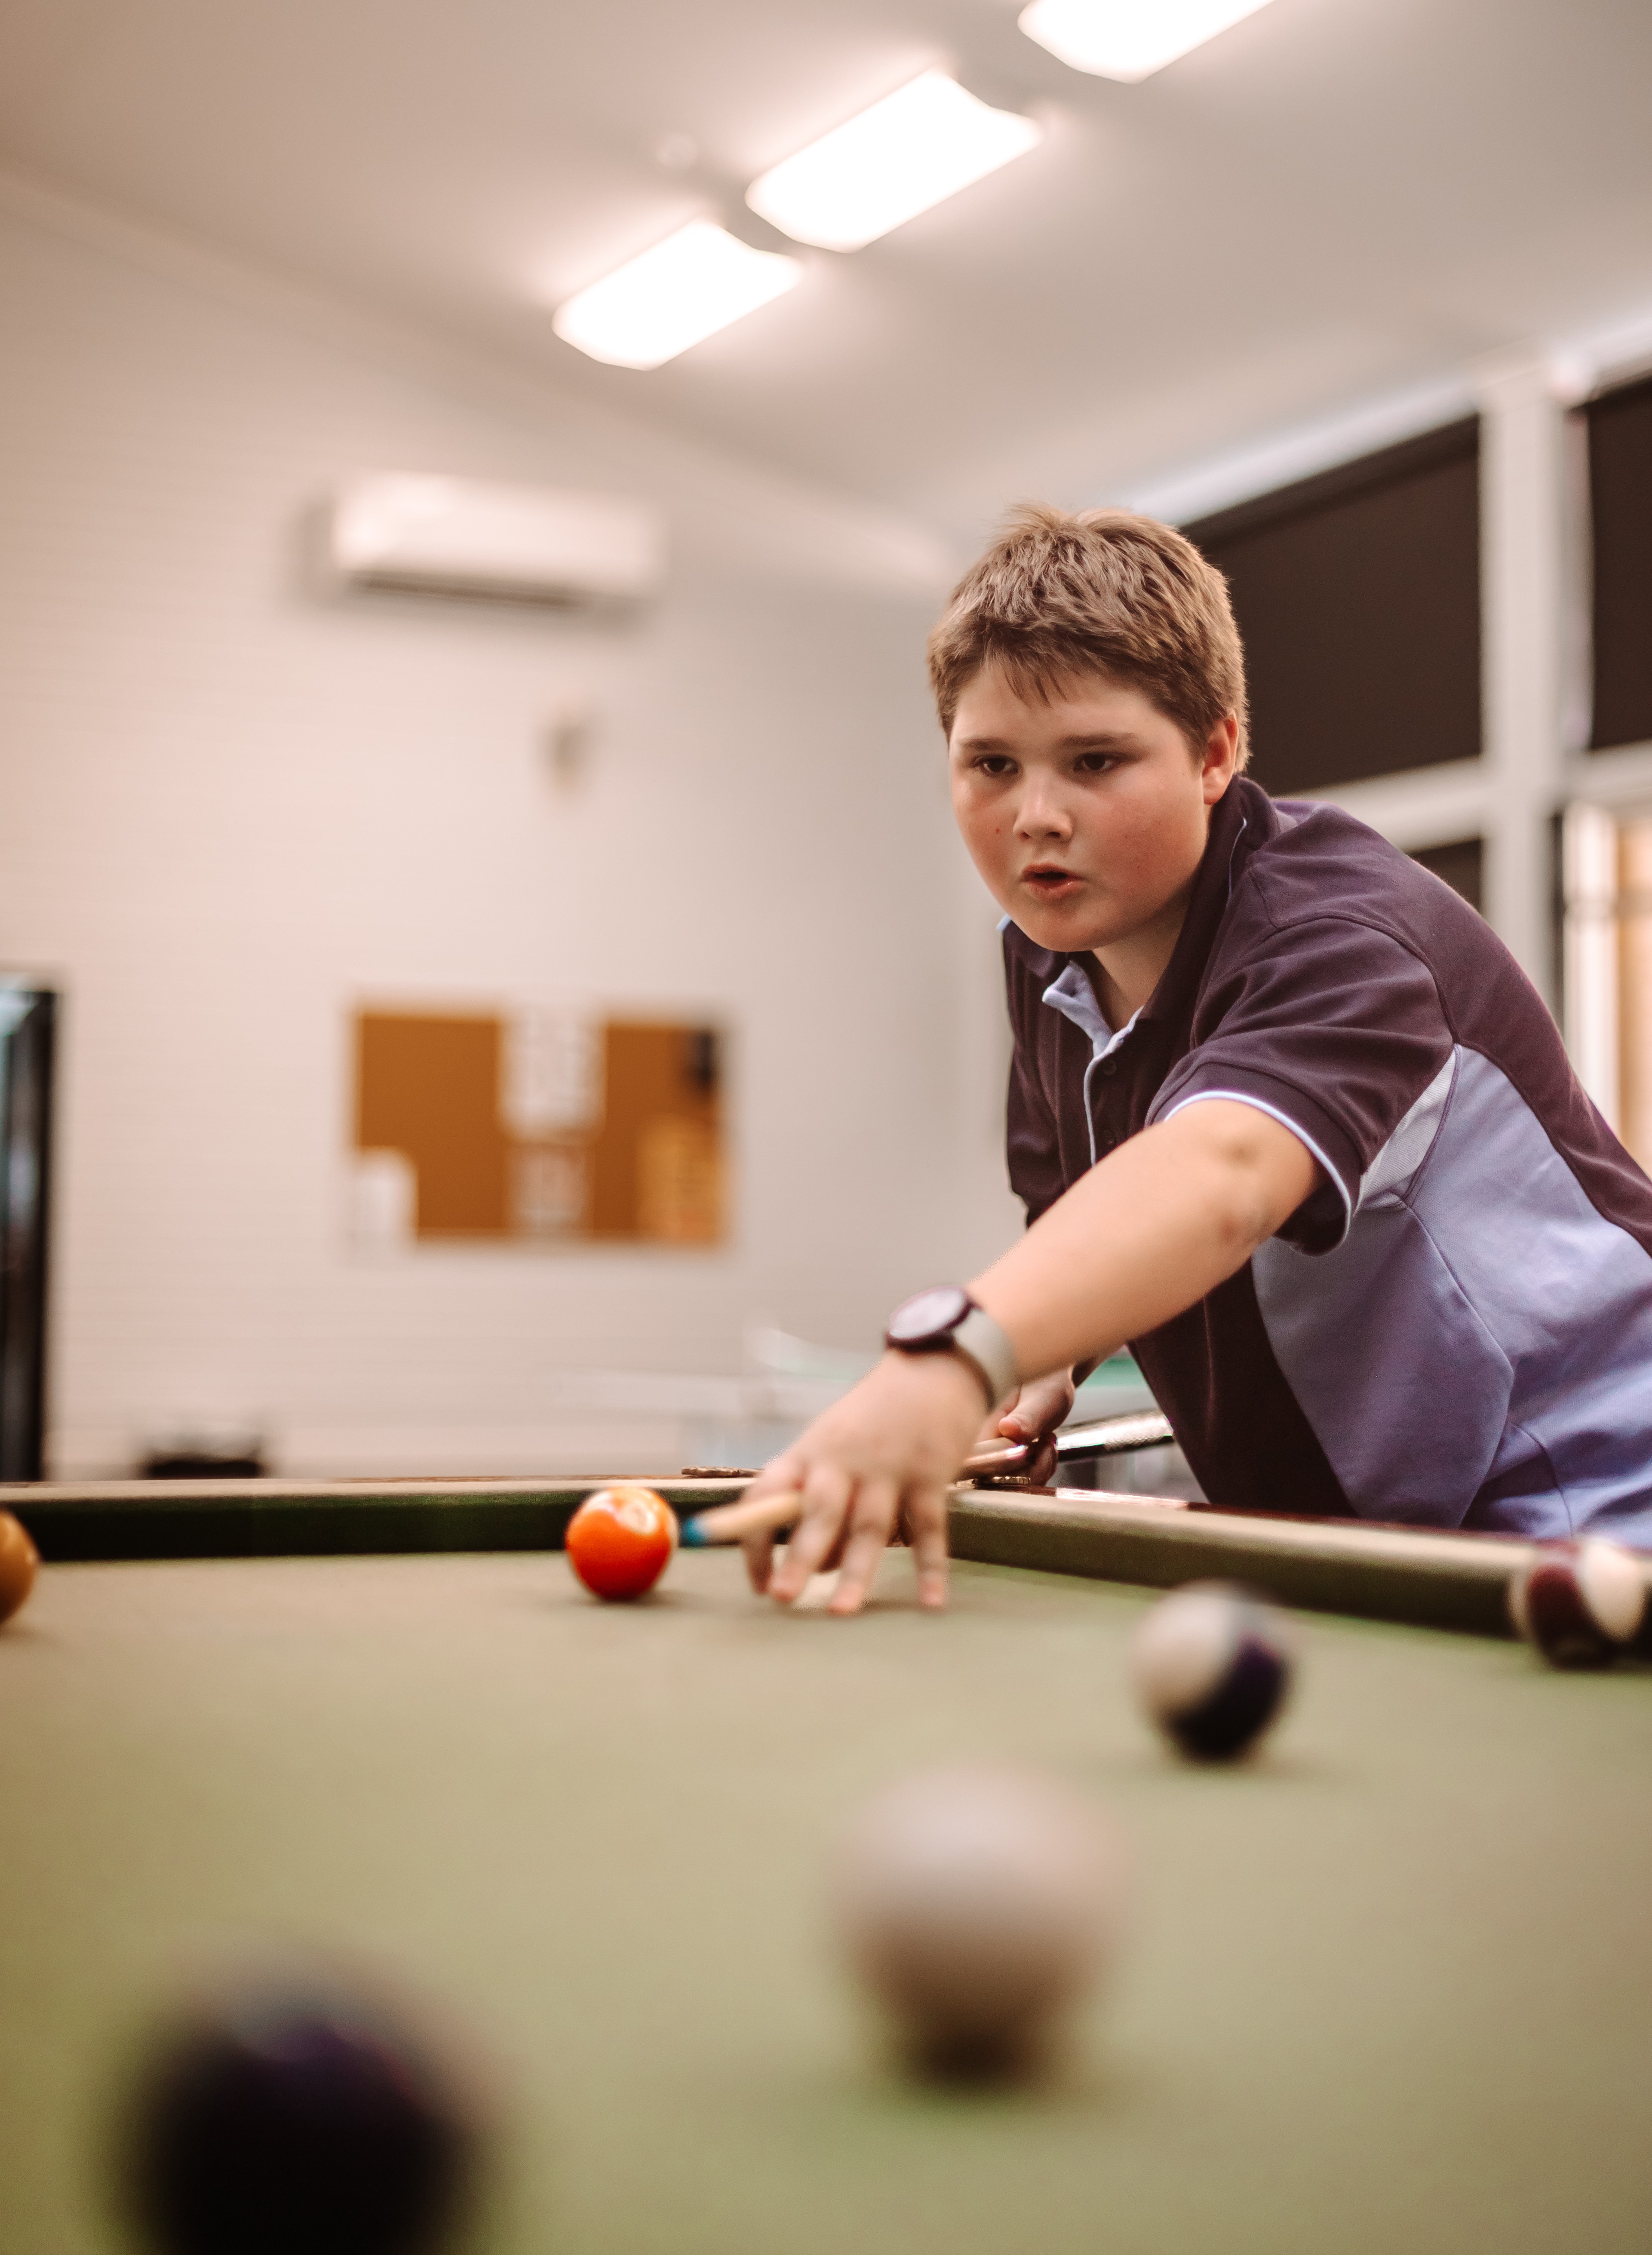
[(1241, 1221), (1260, 1174)]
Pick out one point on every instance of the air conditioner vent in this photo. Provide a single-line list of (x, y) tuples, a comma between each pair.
[(522, 543)]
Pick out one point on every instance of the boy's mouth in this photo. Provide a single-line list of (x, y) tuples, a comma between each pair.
[(1049, 882)]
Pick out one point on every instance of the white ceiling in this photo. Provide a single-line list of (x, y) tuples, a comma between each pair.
[(1334, 201)]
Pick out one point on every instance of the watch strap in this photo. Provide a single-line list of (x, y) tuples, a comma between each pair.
[(984, 1343)]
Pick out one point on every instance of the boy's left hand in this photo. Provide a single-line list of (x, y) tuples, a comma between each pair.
[(881, 1459), (1033, 1415)]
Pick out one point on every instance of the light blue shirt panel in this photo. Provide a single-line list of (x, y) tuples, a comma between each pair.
[(1505, 1328), (1073, 996)]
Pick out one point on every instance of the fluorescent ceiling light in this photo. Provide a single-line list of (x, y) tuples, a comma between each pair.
[(1129, 40), (691, 285), (909, 151)]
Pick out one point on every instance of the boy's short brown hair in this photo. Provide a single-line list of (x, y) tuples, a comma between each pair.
[(1105, 591)]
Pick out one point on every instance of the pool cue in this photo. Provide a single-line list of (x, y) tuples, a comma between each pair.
[(1099, 1436)]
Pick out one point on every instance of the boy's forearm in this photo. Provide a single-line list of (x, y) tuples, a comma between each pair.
[(1146, 1233)]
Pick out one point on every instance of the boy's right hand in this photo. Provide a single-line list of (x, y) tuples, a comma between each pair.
[(882, 1458)]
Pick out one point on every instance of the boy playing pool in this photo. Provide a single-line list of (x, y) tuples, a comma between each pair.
[(1286, 1117)]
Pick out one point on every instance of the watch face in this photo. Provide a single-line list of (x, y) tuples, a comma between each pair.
[(928, 1315)]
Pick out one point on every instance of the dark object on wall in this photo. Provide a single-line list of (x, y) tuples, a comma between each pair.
[(1461, 865), (1358, 595), (203, 1464), (1619, 428), (28, 1028)]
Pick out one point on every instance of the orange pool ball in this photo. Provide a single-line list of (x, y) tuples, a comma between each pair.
[(18, 1559), (621, 1540)]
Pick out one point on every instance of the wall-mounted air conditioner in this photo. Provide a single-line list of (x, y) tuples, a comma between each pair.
[(465, 537)]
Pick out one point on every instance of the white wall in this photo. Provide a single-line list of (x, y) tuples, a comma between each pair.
[(232, 806)]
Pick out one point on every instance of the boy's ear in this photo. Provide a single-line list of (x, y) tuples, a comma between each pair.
[(1219, 758)]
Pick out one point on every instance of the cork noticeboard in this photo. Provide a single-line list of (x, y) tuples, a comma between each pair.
[(544, 1126)]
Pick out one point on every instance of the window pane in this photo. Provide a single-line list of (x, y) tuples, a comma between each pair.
[(1620, 426), (1358, 595)]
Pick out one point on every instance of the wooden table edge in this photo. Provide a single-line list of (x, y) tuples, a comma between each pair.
[(1442, 1578)]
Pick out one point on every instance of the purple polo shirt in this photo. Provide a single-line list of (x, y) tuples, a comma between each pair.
[(1455, 1328)]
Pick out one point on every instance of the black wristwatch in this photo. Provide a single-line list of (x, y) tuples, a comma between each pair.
[(945, 1320)]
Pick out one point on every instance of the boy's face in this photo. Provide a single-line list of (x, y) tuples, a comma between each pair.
[(1087, 815)]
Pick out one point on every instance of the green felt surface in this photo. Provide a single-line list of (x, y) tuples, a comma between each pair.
[(1390, 1989)]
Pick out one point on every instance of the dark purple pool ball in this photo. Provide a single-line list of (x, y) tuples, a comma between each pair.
[(1212, 1666), (1580, 1603), (288, 2123)]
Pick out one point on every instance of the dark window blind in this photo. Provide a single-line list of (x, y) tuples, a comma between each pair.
[(1619, 426), (1358, 595)]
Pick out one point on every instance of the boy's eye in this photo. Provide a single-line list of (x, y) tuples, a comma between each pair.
[(994, 763), (1093, 763)]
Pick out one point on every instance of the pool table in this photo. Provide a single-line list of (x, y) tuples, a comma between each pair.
[(1388, 1987)]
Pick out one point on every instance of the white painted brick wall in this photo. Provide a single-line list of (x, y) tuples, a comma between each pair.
[(230, 807)]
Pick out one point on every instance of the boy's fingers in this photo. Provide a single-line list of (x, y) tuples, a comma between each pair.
[(759, 1553), (825, 1503), (764, 1514), (823, 1527), (998, 1458), (926, 1518), (874, 1513), (991, 1432)]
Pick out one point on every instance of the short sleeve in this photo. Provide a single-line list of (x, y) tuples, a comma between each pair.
[(1333, 1026)]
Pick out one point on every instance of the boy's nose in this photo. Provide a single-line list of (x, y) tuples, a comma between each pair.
[(1042, 815)]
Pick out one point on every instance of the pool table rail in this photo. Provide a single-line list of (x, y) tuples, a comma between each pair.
[(1429, 1577), (86, 1519)]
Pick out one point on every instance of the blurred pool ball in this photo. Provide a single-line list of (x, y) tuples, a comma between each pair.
[(18, 1561), (284, 2123), (621, 1540), (977, 1906), (1212, 1665), (1580, 1603)]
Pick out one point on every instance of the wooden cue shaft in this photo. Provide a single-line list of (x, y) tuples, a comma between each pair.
[(1428, 1577)]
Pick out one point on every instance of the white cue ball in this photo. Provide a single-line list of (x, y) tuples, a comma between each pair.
[(1212, 1665), (977, 1906)]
